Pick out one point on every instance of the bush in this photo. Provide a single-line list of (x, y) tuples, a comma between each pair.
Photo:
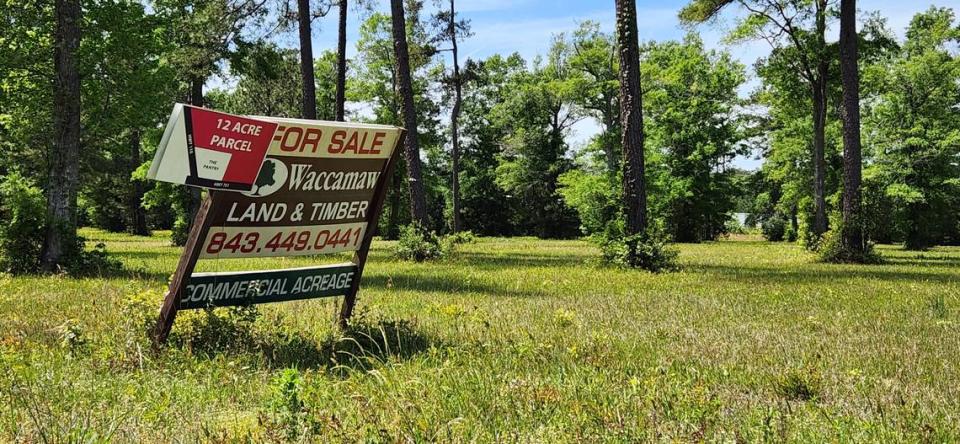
[(288, 412), (595, 197), (804, 384), (418, 244), (23, 226), (181, 230), (216, 330), (647, 250), (23, 216), (832, 249), (774, 228), (449, 242)]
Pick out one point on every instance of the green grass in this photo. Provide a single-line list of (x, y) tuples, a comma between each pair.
[(506, 340)]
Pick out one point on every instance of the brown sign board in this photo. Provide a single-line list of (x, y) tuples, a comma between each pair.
[(319, 190)]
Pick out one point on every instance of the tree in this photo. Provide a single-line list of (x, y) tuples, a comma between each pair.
[(268, 83), (341, 98), (204, 33), (795, 24), (631, 121), (595, 71), (374, 80), (535, 117), (914, 131), (127, 91), (486, 207), (693, 130), (852, 235), (411, 144), (64, 159), (307, 80), (450, 30)]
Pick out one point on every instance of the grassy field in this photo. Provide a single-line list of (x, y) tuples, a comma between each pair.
[(509, 340)]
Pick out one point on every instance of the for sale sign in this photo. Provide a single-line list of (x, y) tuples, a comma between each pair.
[(306, 187), (312, 196), (210, 149)]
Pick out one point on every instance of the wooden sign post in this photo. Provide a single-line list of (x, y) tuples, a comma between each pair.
[(320, 190)]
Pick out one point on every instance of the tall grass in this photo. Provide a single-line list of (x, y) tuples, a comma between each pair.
[(505, 340)]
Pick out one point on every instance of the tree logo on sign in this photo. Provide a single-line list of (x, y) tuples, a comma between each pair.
[(273, 174)]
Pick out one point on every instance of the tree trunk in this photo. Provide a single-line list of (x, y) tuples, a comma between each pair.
[(820, 224), (138, 216), (852, 163), (631, 119), (309, 109), (411, 145), (64, 160), (341, 98), (196, 91), (454, 123)]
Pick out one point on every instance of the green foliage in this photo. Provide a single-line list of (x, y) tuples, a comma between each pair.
[(774, 228), (487, 208), (915, 135), (648, 250), (522, 330), (288, 412), (833, 250), (94, 262), (595, 197), (180, 232), (449, 242), (23, 227), (418, 245), (72, 337), (938, 306), (269, 83), (804, 384), (23, 215), (690, 94), (211, 331), (535, 117)]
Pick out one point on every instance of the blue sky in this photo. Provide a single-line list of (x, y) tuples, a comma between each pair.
[(526, 26)]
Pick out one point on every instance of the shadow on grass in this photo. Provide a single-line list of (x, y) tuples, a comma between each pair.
[(439, 282), (924, 261), (804, 274), (126, 271), (518, 260), (365, 344)]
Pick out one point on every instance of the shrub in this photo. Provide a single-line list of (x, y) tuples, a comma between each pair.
[(289, 413), (595, 197), (95, 262), (181, 230), (216, 330), (23, 226), (774, 228), (647, 250), (461, 237), (418, 244), (832, 249), (733, 226), (449, 242), (23, 218)]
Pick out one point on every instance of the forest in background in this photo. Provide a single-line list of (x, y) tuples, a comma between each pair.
[(516, 171)]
